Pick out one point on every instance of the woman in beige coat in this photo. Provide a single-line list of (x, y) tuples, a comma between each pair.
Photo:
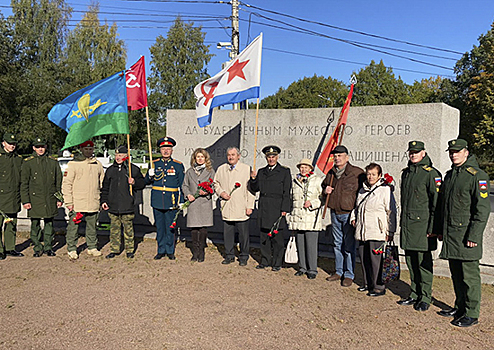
[(374, 219), (305, 218)]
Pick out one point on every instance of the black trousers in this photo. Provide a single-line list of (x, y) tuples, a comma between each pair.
[(272, 248), (371, 264), (243, 238)]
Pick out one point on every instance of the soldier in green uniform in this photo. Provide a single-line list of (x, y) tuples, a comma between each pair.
[(41, 178), (10, 197), (464, 210), (420, 183)]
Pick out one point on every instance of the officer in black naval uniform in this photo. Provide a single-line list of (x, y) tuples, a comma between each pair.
[(167, 176), (274, 183)]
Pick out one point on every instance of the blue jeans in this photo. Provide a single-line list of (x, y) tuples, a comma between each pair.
[(344, 245)]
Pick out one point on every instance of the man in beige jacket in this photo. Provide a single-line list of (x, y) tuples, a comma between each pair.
[(236, 204), (81, 191)]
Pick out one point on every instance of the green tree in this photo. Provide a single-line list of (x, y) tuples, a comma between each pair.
[(10, 70), (377, 85), (309, 92), (93, 51), (178, 64), (39, 28), (475, 86)]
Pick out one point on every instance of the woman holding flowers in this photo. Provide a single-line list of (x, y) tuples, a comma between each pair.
[(374, 219), (305, 218), (197, 190)]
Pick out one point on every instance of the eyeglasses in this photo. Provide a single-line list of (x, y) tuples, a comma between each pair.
[(42, 146)]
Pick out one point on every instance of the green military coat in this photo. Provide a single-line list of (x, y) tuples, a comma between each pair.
[(464, 209), (41, 178), (10, 180), (420, 184)]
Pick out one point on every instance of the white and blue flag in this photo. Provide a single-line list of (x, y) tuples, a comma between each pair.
[(237, 82)]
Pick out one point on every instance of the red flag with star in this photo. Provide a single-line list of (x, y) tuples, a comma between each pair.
[(135, 79), (237, 82)]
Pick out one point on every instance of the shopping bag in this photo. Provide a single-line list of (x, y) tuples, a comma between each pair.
[(390, 264), (291, 254)]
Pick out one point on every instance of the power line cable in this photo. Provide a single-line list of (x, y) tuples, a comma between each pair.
[(352, 30)]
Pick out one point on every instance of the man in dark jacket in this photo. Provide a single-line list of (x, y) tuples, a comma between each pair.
[(464, 209), (117, 199), (41, 179), (342, 184), (419, 190), (10, 197), (274, 182)]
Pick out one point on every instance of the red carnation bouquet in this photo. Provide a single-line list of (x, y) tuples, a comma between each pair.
[(204, 186), (237, 185), (388, 180), (77, 218), (276, 226), (379, 250)]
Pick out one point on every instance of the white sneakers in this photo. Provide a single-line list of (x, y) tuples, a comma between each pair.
[(73, 255), (94, 252)]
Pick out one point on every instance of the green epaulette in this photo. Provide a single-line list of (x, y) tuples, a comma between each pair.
[(427, 168), (29, 158), (471, 170), (51, 157)]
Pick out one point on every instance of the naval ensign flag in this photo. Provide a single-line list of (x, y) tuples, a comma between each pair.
[(238, 81)]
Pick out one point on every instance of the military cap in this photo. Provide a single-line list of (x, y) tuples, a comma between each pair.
[(88, 143), (39, 141), (416, 146), (457, 145), (271, 150), (121, 149), (166, 142), (305, 161), (9, 138), (340, 149)]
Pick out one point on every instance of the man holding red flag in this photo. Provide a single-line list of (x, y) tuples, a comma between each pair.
[(341, 185)]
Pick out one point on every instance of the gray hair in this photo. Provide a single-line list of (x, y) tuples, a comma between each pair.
[(231, 148)]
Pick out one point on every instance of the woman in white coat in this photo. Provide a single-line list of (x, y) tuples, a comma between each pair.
[(374, 218), (305, 218)]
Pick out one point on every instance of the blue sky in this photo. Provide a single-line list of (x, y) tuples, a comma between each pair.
[(445, 24)]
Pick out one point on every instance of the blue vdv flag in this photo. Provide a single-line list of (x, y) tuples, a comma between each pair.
[(98, 109)]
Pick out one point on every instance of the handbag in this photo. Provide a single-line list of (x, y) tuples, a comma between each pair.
[(390, 264), (291, 254)]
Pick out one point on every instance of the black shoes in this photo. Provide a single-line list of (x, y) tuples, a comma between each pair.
[(449, 313), (158, 256), (37, 254), (311, 276), (407, 301), (465, 321), (276, 268), (242, 263), (13, 253), (227, 261), (130, 255), (50, 253), (111, 256), (193, 258), (363, 289), (376, 293), (421, 306), (2, 256), (261, 266), (171, 256), (200, 260), (299, 273)]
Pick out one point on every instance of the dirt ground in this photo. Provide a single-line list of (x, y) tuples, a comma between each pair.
[(94, 303)]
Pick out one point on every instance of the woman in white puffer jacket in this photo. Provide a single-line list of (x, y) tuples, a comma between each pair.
[(305, 218), (374, 218)]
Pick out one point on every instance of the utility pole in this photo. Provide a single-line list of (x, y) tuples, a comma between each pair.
[(235, 30)]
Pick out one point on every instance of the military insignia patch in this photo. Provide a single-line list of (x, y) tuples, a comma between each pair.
[(483, 194), (482, 185), (437, 180)]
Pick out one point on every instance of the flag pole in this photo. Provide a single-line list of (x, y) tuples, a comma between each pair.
[(130, 163), (353, 81), (149, 139), (255, 134)]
